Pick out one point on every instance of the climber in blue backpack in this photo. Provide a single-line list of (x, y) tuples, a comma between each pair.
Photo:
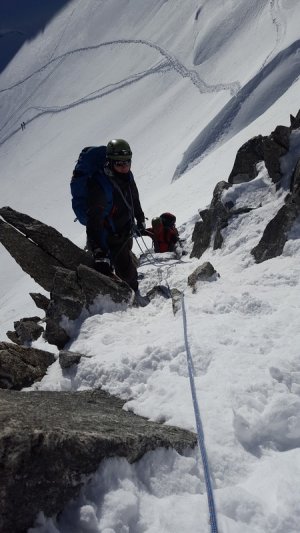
[(105, 199)]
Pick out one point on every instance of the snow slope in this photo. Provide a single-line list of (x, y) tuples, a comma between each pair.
[(186, 83)]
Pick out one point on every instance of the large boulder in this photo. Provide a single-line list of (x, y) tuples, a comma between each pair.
[(26, 331), (39, 248), (21, 367), (62, 269), (47, 239), (32, 259), (75, 294), (68, 359), (204, 272), (259, 149), (51, 441), (264, 148)]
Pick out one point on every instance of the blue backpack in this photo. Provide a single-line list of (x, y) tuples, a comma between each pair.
[(91, 159)]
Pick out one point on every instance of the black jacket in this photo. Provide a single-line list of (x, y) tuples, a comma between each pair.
[(111, 215)]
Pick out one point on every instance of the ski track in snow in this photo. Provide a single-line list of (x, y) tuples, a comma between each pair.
[(285, 70), (95, 95), (279, 28), (171, 63)]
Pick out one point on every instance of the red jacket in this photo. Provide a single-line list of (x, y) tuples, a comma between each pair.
[(164, 239)]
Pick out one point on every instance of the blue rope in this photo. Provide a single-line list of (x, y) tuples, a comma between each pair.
[(200, 433)]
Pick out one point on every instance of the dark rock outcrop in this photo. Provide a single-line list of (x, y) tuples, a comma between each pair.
[(277, 230), (68, 359), (263, 148), (40, 300), (213, 221), (267, 149), (38, 248), (32, 259), (204, 272), (48, 239), (21, 367), (260, 148), (50, 442), (26, 330), (62, 269), (295, 121), (72, 296)]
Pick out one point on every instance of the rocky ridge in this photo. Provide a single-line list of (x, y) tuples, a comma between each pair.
[(260, 149)]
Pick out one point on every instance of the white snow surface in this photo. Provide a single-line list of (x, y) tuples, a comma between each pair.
[(186, 83)]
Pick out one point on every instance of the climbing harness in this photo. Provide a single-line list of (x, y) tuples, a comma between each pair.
[(200, 433)]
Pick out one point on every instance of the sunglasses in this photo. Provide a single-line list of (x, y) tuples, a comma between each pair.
[(122, 163)]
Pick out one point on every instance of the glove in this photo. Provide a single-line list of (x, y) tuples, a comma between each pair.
[(102, 262), (140, 227)]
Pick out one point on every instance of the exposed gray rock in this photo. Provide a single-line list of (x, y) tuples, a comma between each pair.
[(68, 359), (158, 290), (295, 182), (295, 121), (260, 149), (61, 268), (12, 336), (267, 149), (26, 330), (277, 230), (50, 442), (40, 300), (32, 259), (38, 248), (48, 239), (73, 295), (281, 135), (67, 300), (201, 237), (204, 272), (213, 221), (21, 366), (94, 284)]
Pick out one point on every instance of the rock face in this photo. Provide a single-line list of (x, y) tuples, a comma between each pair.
[(277, 230), (72, 295), (267, 149), (32, 259), (49, 442), (68, 359), (40, 300), (46, 250), (213, 220), (204, 272), (48, 239), (26, 330), (20, 366)]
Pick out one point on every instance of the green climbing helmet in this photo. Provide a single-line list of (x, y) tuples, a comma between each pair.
[(118, 150)]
